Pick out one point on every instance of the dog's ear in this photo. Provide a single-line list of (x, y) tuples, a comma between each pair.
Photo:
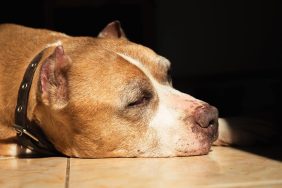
[(112, 30), (53, 85)]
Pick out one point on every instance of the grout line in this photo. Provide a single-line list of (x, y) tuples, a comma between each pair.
[(67, 179)]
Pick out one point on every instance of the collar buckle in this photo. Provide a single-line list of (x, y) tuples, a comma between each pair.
[(20, 130)]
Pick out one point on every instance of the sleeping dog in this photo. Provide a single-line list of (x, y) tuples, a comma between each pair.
[(96, 97)]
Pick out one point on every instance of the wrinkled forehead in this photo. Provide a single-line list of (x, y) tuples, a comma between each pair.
[(113, 68), (115, 65), (145, 55), (143, 58)]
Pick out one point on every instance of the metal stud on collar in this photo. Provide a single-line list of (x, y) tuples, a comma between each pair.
[(24, 86), (19, 109)]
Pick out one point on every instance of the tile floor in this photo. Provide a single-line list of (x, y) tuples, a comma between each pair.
[(223, 167)]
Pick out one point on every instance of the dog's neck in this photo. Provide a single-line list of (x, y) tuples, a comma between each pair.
[(8, 140), (7, 120)]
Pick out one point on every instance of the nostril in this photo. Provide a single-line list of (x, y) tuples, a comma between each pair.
[(206, 116), (212, 122)]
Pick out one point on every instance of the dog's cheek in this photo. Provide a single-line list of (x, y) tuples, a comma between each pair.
[(178, 137), (112, 138)]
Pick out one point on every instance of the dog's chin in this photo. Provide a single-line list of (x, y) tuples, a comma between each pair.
[(204, 150), (180, 149), (178, 153), (201, 147)]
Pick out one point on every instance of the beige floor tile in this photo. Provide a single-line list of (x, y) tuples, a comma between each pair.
[(223, 167), (36, 172)]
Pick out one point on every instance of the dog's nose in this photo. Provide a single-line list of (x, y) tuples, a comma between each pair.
[(206, 116)]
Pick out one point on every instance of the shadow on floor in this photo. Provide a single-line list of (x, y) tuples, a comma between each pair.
[(271, 152)]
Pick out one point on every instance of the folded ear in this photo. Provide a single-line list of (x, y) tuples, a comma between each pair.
[(112, 30), (53, 79)]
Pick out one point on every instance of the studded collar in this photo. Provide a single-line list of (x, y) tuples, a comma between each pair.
[(29, 134)]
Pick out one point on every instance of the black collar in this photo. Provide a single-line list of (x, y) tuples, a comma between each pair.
[(29, 133)]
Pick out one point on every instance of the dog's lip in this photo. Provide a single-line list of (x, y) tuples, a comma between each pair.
[(211, 132), (209, 135), (205, 149)]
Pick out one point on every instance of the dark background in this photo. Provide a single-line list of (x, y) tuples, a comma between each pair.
[(227, 53)]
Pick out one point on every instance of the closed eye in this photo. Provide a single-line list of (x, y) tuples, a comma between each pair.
[(142, 100)]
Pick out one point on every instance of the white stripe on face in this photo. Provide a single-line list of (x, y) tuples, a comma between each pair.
[(139, 65), (166, 121), (57, 43)]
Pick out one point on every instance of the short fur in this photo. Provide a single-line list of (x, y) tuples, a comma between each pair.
[(100, 97)]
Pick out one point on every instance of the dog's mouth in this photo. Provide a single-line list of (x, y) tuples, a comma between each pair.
[(201, 141)]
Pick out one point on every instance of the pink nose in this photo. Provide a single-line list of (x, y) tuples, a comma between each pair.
[(206, 116)]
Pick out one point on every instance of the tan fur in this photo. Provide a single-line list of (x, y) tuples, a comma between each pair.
[(93, 120), (14, 60)]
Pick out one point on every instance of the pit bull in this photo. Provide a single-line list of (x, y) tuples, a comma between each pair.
[(100, 97)]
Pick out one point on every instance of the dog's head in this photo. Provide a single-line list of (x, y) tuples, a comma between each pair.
[(109, 97)]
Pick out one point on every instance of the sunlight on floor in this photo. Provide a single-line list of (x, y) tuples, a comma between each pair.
[(223, 167)]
